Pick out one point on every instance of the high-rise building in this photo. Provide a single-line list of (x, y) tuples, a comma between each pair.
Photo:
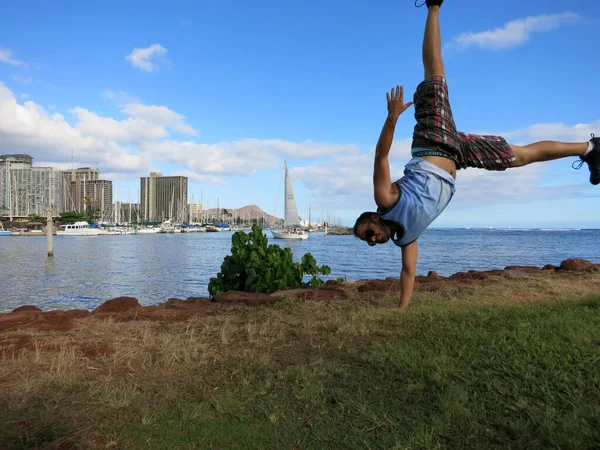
[(72, 194), (25, 189), (84, 191), (163, 198)]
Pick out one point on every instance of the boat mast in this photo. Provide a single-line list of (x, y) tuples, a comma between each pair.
[(10, 210), (285, 197)]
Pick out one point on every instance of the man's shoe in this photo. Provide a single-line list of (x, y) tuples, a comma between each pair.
[(593, 161), (430, 3), (433, 3)]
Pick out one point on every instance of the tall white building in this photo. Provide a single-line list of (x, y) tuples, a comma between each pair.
[(25, 189)]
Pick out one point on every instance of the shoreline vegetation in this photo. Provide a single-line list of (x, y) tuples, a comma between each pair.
[(495, 359)]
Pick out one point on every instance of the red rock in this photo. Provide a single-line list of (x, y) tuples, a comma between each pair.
[(198, 300), (190, 303), (428, 279), (379, 286), (496, 273), (26, 309), (116, 305), (314, 294), (458, 276), (517, 273), (478, 275), (432, 274), (578, 265), (155, 313), (72, 313), (246, 298), (432, 286), (470, 275), (523, 269)]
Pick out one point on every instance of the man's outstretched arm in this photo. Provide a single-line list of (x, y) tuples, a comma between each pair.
[(410, 254), (385, 192)]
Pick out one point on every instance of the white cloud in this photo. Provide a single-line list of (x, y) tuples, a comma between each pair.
[(134, 144), (243, 157), (514, 33), (159, 115), (6, 57), (29, 128), (128, 131), (145, 123), (555, 132), (145, 58)]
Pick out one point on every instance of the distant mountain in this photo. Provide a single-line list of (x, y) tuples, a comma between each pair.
[(248, 212)]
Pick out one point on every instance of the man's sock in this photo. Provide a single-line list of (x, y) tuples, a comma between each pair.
[(590, 147)]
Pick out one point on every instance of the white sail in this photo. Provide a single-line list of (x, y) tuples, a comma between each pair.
[(291, 229), (291, 210)]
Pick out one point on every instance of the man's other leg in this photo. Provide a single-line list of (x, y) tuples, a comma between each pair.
[(432, 45), (547, 151), (588, 152)]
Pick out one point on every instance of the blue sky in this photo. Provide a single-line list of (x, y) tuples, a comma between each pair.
[(223, 91)]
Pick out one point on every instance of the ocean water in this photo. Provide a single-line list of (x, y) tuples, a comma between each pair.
[(87, 271)]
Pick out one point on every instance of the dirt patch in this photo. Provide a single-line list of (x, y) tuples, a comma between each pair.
[(14, 345), (46, 321)]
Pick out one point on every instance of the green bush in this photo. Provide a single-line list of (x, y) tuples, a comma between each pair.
[(254, 266)]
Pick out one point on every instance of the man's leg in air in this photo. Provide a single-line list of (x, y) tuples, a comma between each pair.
[(432, 42)]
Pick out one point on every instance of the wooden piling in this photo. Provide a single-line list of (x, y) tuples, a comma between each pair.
[(49, 231)]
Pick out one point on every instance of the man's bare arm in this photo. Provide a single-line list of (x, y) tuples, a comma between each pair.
[(385, 192), (410, 254)]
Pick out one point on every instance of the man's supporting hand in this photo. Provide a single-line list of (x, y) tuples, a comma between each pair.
[(410, 254), (395, 102)]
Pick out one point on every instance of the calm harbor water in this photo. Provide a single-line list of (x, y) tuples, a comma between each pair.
[(87, 271)]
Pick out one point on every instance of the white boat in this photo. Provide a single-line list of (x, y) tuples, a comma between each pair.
[(291, 222), (77, 229), (115, 231), (167, 226), (151, 230)]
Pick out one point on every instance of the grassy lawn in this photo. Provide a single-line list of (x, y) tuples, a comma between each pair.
[(461, 370)]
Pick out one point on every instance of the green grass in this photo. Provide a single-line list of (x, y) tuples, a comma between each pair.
[(326, 375)]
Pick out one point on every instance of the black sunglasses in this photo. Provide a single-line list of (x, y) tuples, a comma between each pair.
[(369, 234)]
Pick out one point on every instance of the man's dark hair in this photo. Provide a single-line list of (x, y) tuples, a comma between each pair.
[(363, 218)]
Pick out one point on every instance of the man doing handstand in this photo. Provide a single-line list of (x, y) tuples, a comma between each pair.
[(408, 206)]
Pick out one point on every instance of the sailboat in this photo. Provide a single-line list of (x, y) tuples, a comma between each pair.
[(291, 224)]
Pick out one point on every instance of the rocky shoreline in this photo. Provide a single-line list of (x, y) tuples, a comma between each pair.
[(126, 309)]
